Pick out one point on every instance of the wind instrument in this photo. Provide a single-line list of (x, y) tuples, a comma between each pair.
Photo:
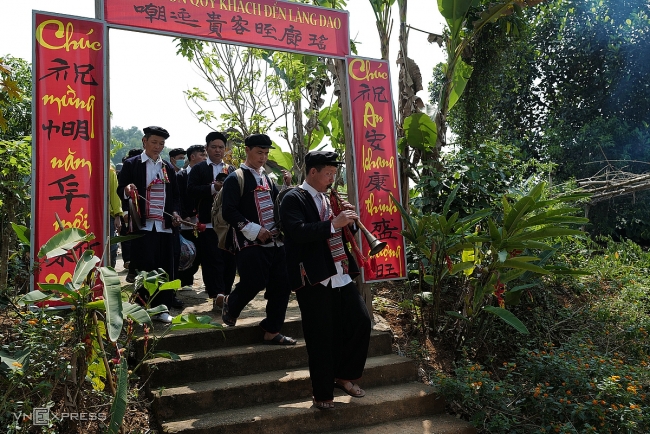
[(376, 246)]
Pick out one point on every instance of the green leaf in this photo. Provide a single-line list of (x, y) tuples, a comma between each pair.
[(420, 131), (112, 302), (34, 297), (462, 72), (522, 287), (456, 315), (22, 232), (495, 233), (521, 265), (191, 321), (158, 309), (429, 279), (454, 12), (118, 407), (54, 287), (556, 269), (17, 361), (174, 284), (462, 266), (63, 241), (503, 255), (166, 355), (546, 232), (284, 159), (136, 312), (517, 212), (450, 199), (558, 220), (508, 317), (86, 264)]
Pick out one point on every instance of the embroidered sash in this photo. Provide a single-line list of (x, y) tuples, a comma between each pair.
[(336, 239), (156, 201), (264, 204)]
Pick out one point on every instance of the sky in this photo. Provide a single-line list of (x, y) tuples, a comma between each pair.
[(147, 78)]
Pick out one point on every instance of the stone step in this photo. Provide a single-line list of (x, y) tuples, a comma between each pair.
[(246, 332), (380, 405), (241, 360), (437, 424), (266, 387)]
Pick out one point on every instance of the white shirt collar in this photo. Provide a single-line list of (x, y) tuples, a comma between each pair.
[(310, 189), (259, 173), (146, 158)]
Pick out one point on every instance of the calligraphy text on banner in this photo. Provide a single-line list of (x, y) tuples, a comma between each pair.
[(69, 135), (376, 163), (278, 25)]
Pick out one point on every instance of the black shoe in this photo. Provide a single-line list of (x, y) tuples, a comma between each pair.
[(176, 303)]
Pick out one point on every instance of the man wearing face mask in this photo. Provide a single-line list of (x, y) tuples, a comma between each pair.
[(177, 158)]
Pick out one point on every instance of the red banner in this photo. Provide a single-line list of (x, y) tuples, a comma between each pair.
[(273, 24), (68, 143), (376, 163)]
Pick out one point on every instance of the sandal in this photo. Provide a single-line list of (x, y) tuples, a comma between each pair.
[(354, 390), (225, 314), (280, 339), (323, 405)]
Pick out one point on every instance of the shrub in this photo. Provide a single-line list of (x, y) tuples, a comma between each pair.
[(574, 388)]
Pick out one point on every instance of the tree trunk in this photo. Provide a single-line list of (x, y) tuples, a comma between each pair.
[(298, 141), (403, 108), (7, 238)]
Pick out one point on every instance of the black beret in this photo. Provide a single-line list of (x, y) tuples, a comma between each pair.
[(156, 131), (316, 158), (215, 135), (258, 140), (177, 151)]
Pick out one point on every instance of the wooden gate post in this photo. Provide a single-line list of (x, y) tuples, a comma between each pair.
[(344, 98)]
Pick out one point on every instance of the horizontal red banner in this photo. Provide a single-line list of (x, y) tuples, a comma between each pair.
[(376, 164), (277, 25), (68, 142)]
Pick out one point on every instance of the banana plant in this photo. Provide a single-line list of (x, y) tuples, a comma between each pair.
[(95, 291)]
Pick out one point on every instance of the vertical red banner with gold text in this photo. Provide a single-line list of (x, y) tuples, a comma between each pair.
[(376, 164), (69, 134)]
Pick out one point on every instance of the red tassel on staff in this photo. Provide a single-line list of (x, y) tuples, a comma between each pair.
[(134, 198)]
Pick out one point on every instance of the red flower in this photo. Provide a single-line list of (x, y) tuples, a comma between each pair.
[(200, 227), (499, 289), (450, 264)]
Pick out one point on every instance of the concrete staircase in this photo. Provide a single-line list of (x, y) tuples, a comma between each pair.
[(228, 381)]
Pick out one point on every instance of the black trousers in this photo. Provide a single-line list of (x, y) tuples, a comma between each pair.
[(125, 245), (218, 266), (152, 251), (262, 267), (187, 276), (336, 325)]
